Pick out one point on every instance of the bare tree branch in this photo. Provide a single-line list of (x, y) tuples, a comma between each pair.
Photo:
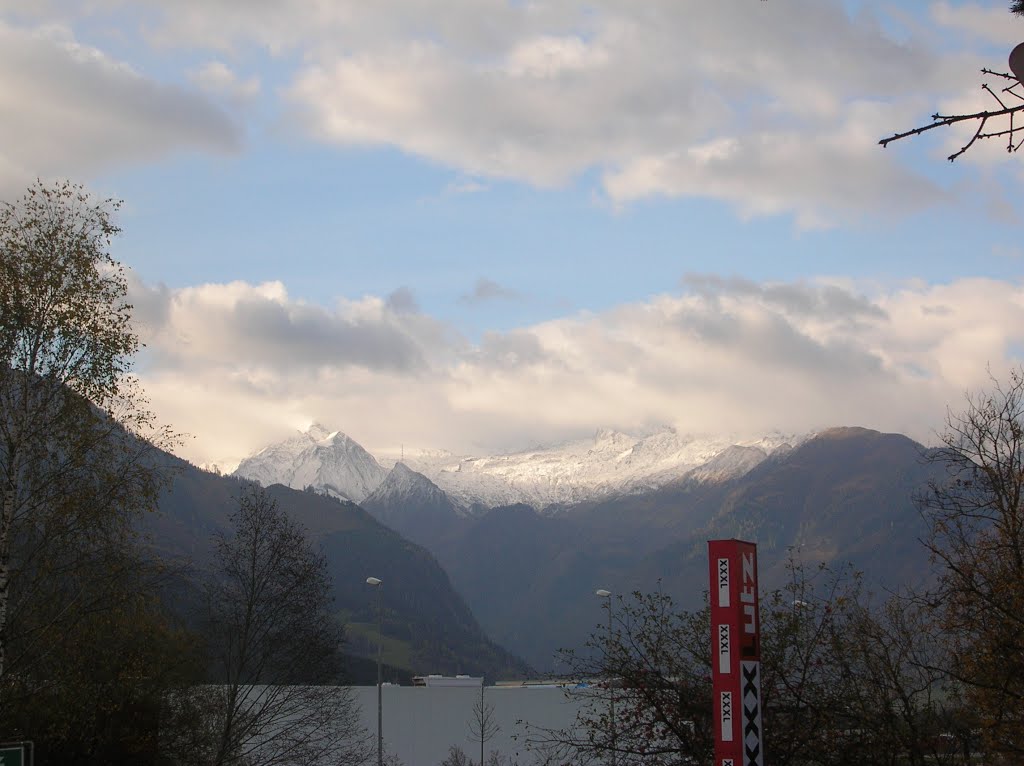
[(982, 118)]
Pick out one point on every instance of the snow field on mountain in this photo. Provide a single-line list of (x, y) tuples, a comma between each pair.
[(608, 464)]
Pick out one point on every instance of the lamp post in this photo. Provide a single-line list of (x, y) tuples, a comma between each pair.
[(375, 582), (607, 594)]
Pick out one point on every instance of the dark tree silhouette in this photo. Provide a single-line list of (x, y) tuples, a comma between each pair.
[(275, 648)]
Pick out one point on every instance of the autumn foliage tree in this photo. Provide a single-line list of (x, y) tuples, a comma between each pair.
[(76, 470), (975, 516)]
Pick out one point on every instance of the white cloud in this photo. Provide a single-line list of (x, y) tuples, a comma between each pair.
[(70, 110), (774, 109), (465, 186), (635, 94), (239, 364), (240, 326), (991, 23), (824, 178), (217, 77)]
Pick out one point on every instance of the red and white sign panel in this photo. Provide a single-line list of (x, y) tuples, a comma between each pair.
[(736, 656)]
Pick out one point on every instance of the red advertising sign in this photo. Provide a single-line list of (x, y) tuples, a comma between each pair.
[(736, 653)]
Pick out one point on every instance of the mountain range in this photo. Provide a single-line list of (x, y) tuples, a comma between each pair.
[(609, 464), (526, 538)]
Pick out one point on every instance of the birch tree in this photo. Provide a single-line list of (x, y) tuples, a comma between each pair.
[(75, 462)]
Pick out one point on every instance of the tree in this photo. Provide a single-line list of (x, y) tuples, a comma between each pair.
[(75, 436), (846, 681), (95, 694), (483, 725), (889, 662), (457, 757), (77, 468), (656, 662), (975, 516), (1013, 104), (843, 682), (275, 648)]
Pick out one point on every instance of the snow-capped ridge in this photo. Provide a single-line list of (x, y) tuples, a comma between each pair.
[(608, 463), (732, 462)]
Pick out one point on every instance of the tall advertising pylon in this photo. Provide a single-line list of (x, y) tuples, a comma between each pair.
[(736, 653)]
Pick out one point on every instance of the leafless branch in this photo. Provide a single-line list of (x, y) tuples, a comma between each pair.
[(982, 118)]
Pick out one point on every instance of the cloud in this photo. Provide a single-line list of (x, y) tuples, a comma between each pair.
[(465, 186), (822, 178), (511, 351), (217, 78), (257, 328), (402, 301), (486, 290), (991, 24), (823, 301), (239, 364), (70, 110), (772, 108)]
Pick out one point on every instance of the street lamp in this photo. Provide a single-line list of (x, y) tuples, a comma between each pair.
[(602, 593), (375, 582)]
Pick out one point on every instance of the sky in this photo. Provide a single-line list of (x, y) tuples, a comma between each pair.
[(482, 225)]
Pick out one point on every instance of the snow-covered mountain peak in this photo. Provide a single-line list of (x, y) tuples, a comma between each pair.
[(317, 432), (318, 457), (403, 476), (326, 438), (403, 482), (607, 436)]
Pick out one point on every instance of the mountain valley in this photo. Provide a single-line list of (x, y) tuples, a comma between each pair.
[(528, 572), (427, 626)]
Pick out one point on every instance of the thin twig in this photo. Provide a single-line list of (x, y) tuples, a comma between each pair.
[(993, 94), (1004, 75), (968, 145), (1010, 89), (999, 133)]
